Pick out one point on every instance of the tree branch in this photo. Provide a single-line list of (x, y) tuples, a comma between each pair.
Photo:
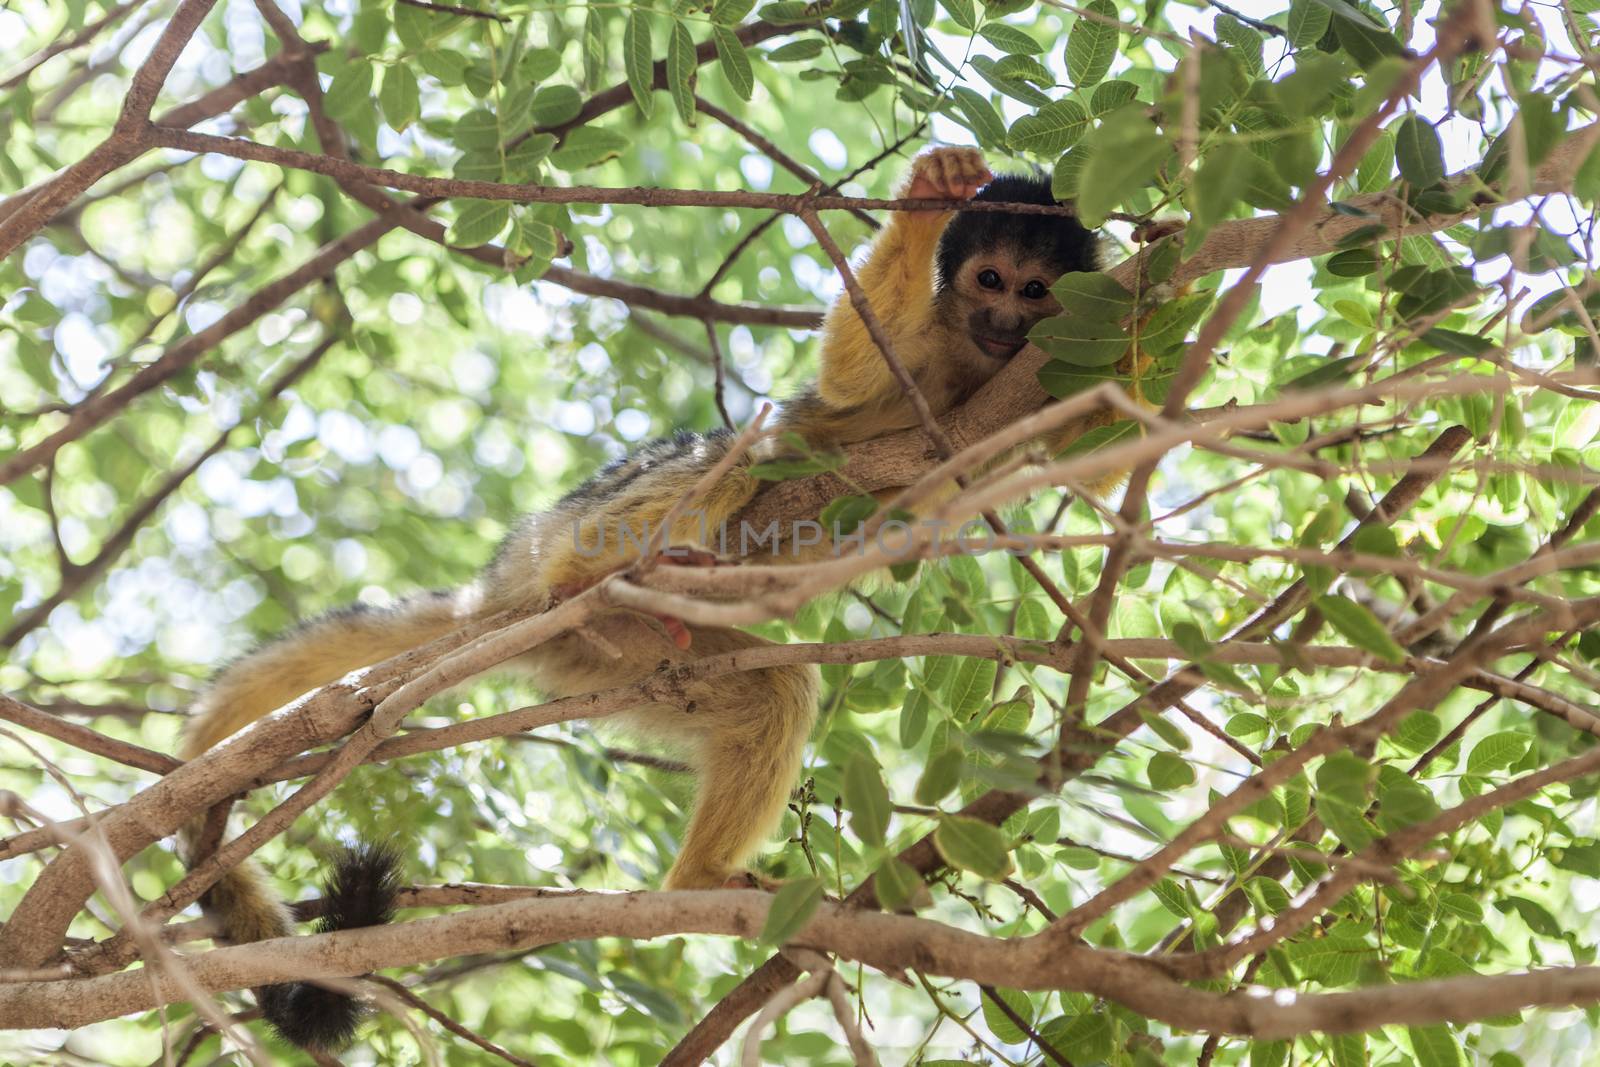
[(888, 942)]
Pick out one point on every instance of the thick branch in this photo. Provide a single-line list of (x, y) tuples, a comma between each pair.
[(889, 942)]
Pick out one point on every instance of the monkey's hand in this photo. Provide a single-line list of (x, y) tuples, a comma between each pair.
[(946, 174)]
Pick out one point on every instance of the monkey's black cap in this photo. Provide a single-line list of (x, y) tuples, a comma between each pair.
[(1061, 241)]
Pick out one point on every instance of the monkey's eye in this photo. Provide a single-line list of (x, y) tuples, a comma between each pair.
[(1034, 290), (989, 278)]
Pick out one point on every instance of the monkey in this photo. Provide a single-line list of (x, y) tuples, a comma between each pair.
[(957, 293)]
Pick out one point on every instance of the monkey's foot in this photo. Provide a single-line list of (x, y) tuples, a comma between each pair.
[(677, 556), (684, 556), (752, 880), (948, 174)]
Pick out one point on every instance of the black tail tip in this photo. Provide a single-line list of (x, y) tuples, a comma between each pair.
[(360, 891), (361, 887)]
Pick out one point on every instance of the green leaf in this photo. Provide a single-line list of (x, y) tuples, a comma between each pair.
[(1361, 39), (1403, 802), (1078, 858), (981, 116), (538, 64), (973, 845), (479, 77), (514, 109), (479, 222), (1108, 96), (1331, 370), (970, 687), (638, 59), (1248, 726), (778, 470), (1172, 897), (1582, 858), (1418, 731), (400, 97), (1434, 1046), (1024, 69), (534, 238), (1353, 263), (478, 128), (1010, 40), (594, 47), (731, 12), (1170, 732), (796, 51), (940, 775), (1092, 295), (1347, 823), (1269, 1053), (1087, 1038), (1078, 342), (1012, 76), (867, 800), (1068, 172), (1361, 627), (1246, 42), (555, 104), (1535, 915), (1308, 21), (913, 718), (1333, 960), (419, 27), (1419, 153), (900, 888), (587, 146), (681, 71), (846, 513), (1126, 153), (1101, 436), (446, 64), (1052, 129), (734, 62), (963, 13), (351, 90), (999, 1022), (1498, 751), (1270, 895), (1217, 184), (522, 162), (1092, 44), (1345, 777), (1168, 771), (1169, 323), (792, 907), (480, 165)]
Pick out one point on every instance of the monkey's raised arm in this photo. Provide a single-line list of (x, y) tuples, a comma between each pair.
[(898, 278)]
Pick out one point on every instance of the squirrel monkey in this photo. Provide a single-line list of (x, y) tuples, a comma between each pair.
[(957, 293)]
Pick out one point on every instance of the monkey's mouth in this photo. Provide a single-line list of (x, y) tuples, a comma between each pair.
[(999, 347)]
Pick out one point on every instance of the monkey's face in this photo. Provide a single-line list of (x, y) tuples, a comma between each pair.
[(998, 295)]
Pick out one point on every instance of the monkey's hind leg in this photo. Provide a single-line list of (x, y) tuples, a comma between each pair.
[(751, 729)]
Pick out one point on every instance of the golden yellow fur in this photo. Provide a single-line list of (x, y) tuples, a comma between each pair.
[(746, 732)]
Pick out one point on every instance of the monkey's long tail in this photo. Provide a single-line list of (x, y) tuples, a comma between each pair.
[(360, 891), (312, 655)]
